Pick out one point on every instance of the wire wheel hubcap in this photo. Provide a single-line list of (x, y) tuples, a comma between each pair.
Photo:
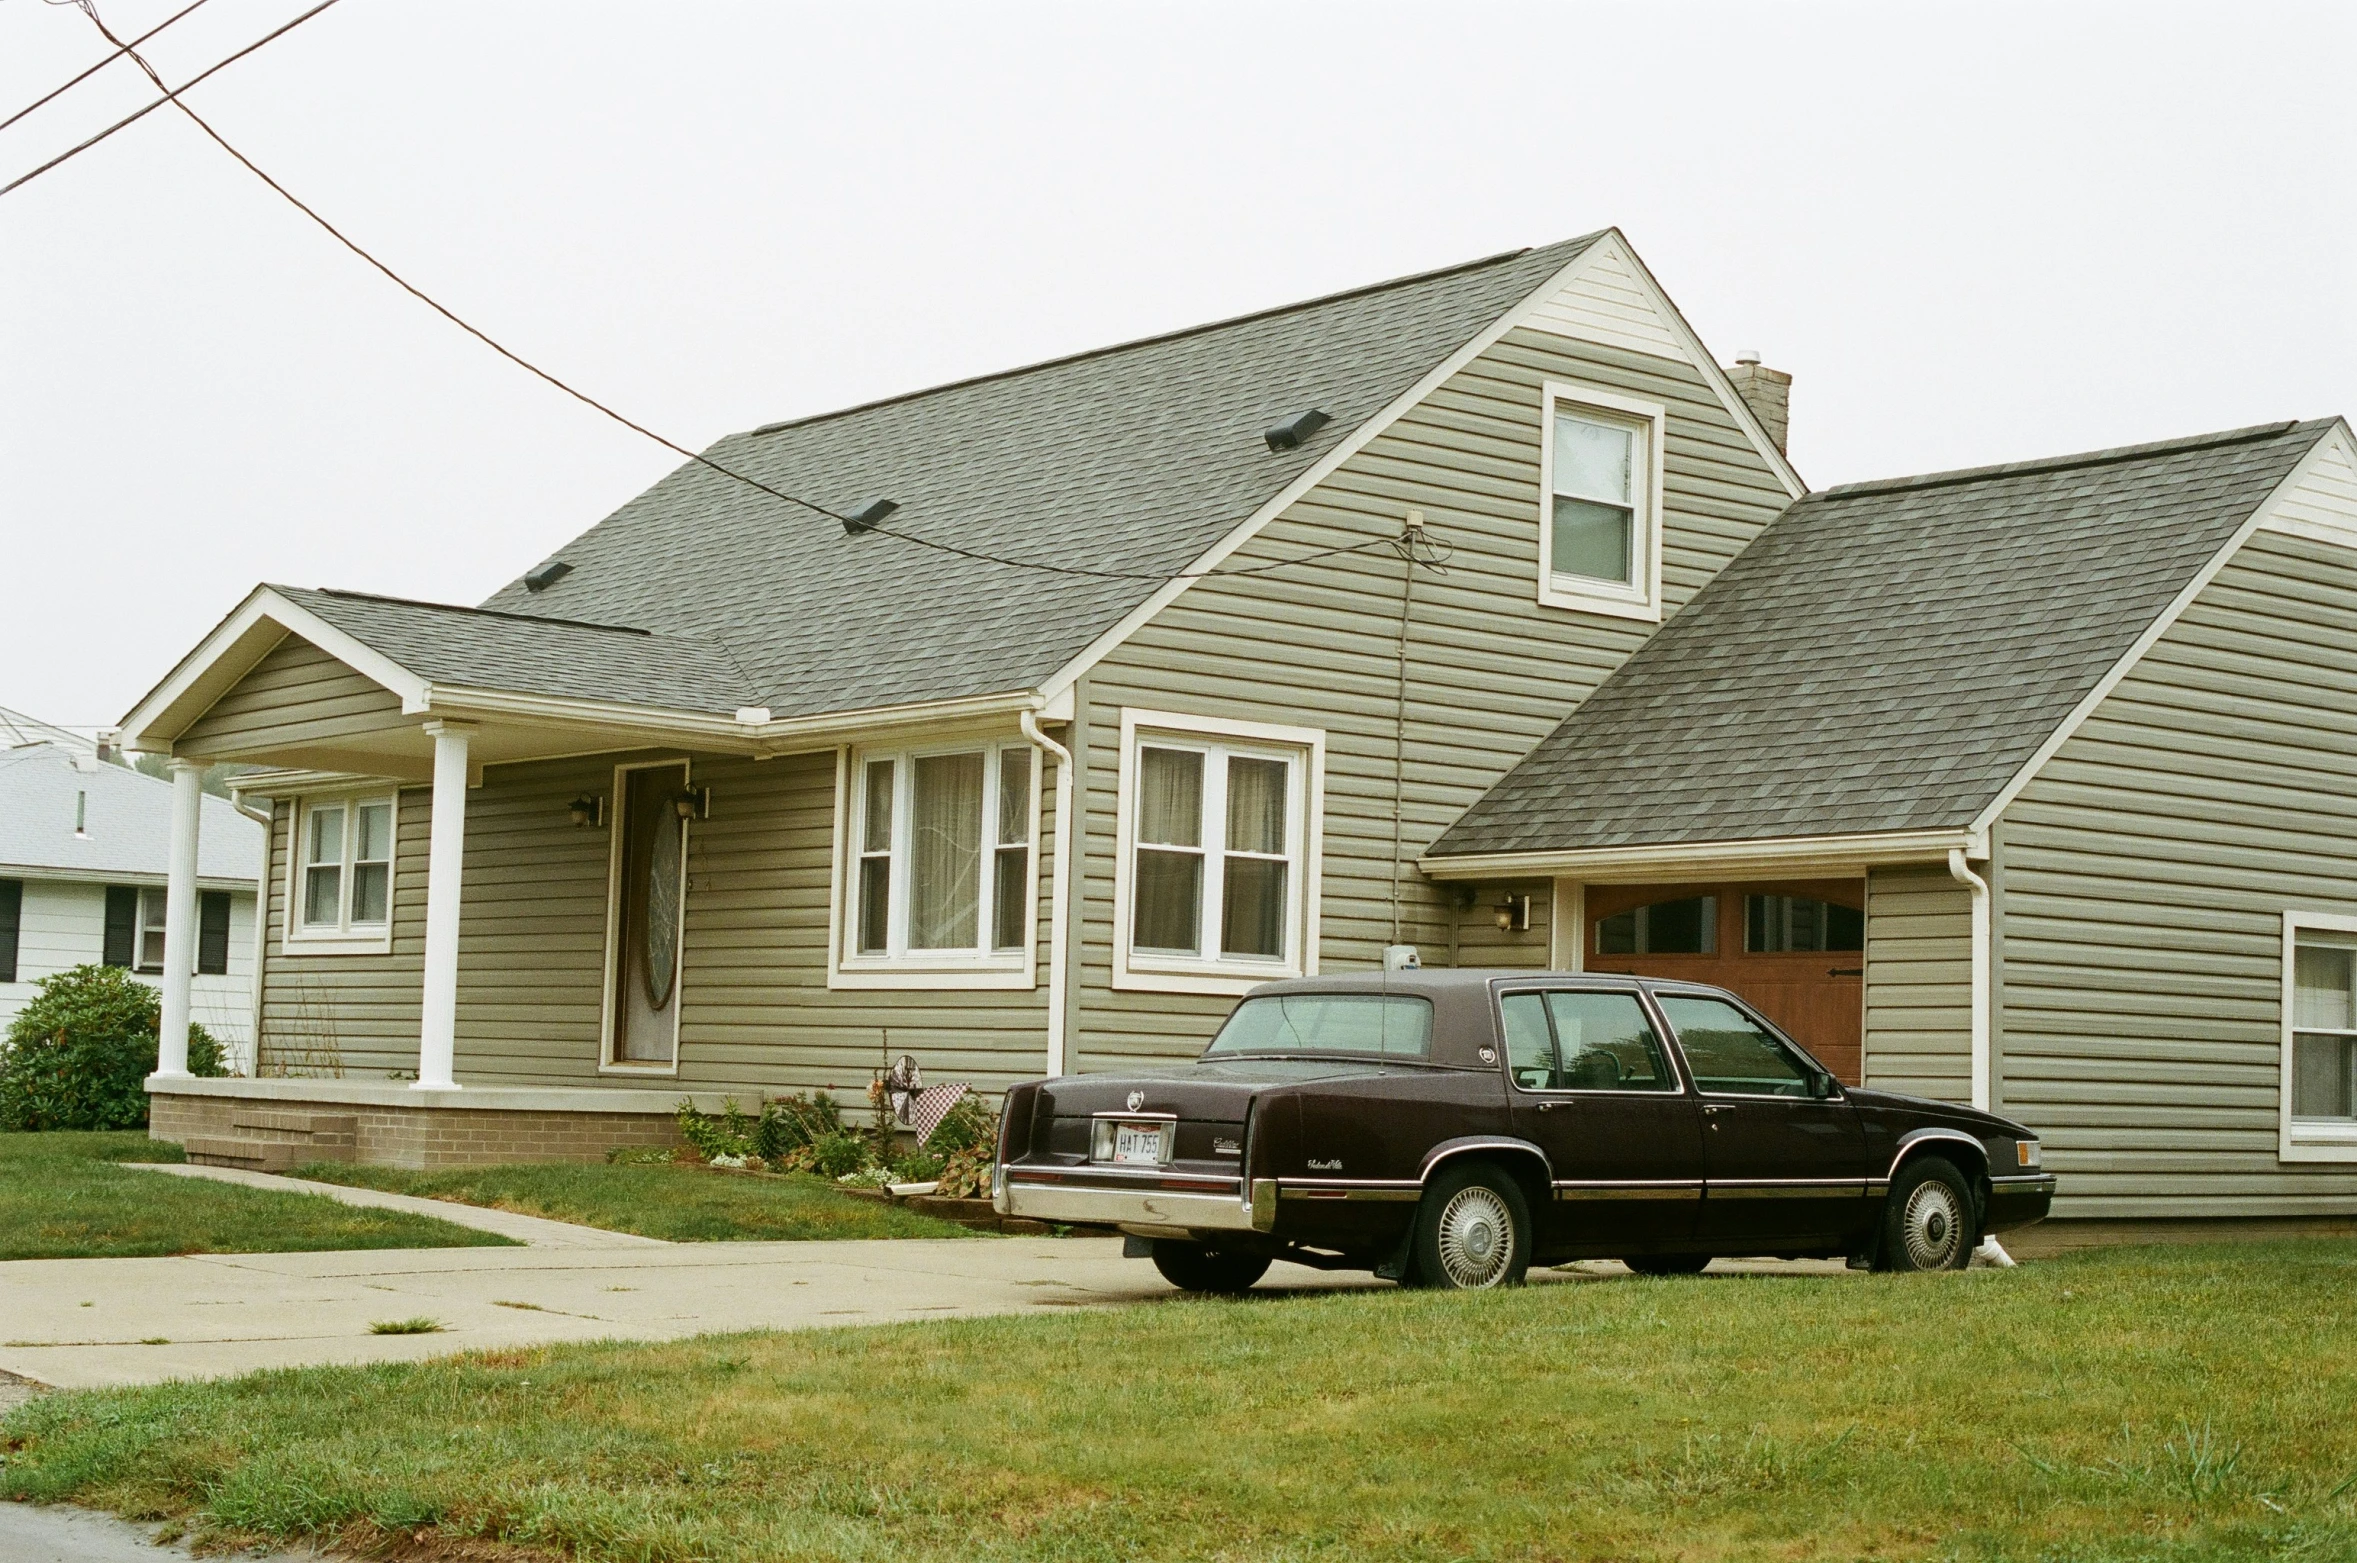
[(1476, 1238), (1934, 1226)]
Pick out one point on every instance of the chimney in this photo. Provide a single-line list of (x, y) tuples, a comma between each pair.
[(1767, 392)]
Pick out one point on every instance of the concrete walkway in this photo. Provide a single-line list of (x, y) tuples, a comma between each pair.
[(65, 1535), (531, 1230)]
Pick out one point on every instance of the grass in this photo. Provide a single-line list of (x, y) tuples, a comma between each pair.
[(2186, 1404), (680, 1204), (417, 1326), (64, 1196)]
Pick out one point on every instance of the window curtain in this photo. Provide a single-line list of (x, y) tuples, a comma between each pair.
[(945, 852), (1167, 911), (1252, 911)]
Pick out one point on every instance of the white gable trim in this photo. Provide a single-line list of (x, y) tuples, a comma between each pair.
[(217, 659), (2337, 440), (1609, 244)]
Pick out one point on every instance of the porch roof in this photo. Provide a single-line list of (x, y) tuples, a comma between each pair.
[(1886, 656)]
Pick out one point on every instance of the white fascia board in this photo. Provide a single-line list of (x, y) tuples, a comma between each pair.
[(1789, 857), (1737, 408), (1061, 681), (39, 873), (2337, 438), (261, 606)]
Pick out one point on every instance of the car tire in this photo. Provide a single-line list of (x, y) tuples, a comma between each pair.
[(1928, 1221), (1192, 1267), (1667, 1264), (1472, 1230)]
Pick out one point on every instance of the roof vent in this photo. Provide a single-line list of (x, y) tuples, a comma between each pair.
[(866, 515), (542, 577), (1289, 434)]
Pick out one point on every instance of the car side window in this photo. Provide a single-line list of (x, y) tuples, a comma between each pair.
[(1732, 1054), (1530, 1050), (1603, 1042)]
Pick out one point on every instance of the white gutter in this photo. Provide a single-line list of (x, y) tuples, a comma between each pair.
[(1059, 886), (1962, 873), (1770, 858)]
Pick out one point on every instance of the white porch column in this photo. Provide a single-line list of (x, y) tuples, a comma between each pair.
[(188, 798), (437, 1043)]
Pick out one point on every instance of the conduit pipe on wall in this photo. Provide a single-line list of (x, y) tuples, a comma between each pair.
[(1962, 873), (1059, 885)]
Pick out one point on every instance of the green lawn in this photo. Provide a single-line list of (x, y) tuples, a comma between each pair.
[(681, 1204), (2161, 1403), (63, 1197)]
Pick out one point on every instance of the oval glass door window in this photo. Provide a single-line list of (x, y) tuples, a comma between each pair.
[(663, 908)]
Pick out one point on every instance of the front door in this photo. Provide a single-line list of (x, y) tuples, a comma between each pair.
[(1594, 1088), (1793, 950), (1784, 1165), (650, 892)]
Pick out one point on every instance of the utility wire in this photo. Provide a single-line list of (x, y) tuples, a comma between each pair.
[(172, 96), (101, 65)]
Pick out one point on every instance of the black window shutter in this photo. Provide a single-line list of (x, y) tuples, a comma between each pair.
[(122, 925), (12, 911), (212, 933)]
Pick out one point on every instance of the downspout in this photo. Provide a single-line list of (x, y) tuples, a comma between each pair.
[(1962, 873), (1059, 885)]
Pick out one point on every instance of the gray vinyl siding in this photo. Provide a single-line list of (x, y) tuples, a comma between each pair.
[(756, 1014), (1491, 672), (296, 695), (2147, 870), (1919, 983)]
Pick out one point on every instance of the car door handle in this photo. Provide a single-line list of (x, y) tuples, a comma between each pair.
[(1548, 1107), (1715, 1107)]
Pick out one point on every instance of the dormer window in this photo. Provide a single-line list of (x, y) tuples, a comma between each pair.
[(1600, 511)]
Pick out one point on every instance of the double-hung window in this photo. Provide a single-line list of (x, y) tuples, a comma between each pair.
[(1215, 880), (2320, 1038), (1600, 505), (940, 876), (341, 887)]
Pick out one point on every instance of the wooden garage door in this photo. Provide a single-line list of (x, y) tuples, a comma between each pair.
[(1792, 949)]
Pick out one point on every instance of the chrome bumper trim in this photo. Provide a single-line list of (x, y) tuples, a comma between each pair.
[(1100, 1206), (2023, 1183)]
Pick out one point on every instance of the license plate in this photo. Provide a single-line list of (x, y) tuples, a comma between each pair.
[(1138, 1144)]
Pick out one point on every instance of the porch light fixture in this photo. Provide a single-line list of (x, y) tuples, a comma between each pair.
[(1514, 914), (1289, 434), (693, 803), (865, 515), (587, 811)]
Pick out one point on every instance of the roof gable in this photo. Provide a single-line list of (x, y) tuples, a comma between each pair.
[(1886, 656)]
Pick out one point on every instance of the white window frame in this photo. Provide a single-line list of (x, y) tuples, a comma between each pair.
[(616, 797), (984, 968), (345, 938), (1649, 420), (2308, 1139), (157, 896), (1304, 749)]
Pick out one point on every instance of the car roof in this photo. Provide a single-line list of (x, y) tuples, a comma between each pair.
[(1457, 979)]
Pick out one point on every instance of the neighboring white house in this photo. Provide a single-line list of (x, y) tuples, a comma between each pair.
[(84, 846)]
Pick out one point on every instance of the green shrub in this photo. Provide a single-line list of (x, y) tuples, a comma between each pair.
[(966, 1140), (77, 1054), (835, 1155), (788, 1123)]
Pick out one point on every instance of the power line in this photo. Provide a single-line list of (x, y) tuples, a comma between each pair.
[(171, 95), (101, 65)]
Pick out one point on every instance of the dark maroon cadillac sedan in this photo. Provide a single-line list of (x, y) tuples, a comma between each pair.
[(1451, 1128)]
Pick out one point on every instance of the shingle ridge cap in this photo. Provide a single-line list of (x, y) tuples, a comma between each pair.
[(2254, 434), (483, 613), (1364, 290)]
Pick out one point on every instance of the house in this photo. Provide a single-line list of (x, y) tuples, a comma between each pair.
[(84, 852), (1024, 722)]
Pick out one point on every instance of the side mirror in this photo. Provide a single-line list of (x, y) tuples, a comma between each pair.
[(1826, 1088)]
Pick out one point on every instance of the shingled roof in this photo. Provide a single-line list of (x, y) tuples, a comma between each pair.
[(1885, 656), (1133, 458)]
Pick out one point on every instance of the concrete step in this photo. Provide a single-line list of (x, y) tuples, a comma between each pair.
[(208, 1150), (327, 1131)]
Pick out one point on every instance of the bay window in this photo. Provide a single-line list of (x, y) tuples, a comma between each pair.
[(1217, 821), (340, 893), (939, 868), (1600, 502)]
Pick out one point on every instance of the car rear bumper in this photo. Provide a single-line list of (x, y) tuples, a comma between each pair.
[(1100, 1201), (2016, 1200)]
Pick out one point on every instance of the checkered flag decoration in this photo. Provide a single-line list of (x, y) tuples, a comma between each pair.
[(932, 1105)]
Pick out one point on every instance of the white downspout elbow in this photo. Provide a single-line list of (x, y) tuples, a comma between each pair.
[(1962, 873), (1059, 886)]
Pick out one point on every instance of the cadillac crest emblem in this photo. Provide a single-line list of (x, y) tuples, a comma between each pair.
[(1137, 1099)]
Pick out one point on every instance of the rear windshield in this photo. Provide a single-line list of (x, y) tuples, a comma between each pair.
[(1373, 1025)]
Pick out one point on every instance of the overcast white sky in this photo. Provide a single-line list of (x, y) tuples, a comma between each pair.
[(1972, 234)]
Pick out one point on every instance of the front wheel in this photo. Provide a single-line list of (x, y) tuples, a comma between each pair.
[(1927, 1220), (1472, 1229), (1191, 1267)]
